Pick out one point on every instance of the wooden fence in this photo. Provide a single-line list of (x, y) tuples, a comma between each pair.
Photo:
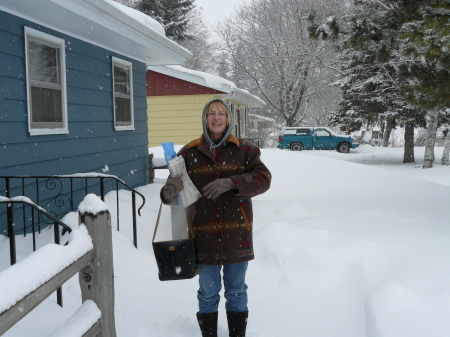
[(96, 275)]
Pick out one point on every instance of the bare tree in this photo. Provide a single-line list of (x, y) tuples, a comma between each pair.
[(322, 105), (270, 50), (200, 45)]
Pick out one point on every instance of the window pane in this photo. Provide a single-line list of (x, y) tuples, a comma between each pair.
[(123, 111), (121, 80), (322, 133), (303, 131), (43, 63), (46, 105)]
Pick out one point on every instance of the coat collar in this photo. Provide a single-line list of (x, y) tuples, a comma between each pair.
[(202, 145), (201, 140)]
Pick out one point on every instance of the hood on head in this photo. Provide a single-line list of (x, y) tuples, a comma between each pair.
[(227, 130)]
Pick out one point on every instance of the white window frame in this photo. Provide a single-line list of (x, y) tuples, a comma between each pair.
[(233, 111), (124, 64), (53, 41)]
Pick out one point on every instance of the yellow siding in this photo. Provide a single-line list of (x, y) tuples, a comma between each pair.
[(176, 118)]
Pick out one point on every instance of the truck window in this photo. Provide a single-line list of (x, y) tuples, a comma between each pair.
[(294, 131), (321, 133)]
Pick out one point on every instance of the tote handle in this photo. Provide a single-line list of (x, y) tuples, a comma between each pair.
[(157, 223)]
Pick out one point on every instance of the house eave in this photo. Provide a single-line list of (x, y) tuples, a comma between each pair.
[(213, 82), (244, 97), (193, 76), (101, 23)]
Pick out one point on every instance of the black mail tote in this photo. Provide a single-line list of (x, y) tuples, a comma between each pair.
[(176, 259)]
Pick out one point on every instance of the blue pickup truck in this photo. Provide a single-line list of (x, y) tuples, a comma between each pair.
[(317, 138)]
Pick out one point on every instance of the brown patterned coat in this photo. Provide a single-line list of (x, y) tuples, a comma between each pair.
[(222, 228)]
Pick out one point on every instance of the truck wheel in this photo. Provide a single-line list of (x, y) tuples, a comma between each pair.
[(343, 148), (296, 147)]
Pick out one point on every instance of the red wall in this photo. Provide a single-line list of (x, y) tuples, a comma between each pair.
[(164, 85)]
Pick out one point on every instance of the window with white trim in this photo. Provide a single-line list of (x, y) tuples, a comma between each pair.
[(123, 94), (46, 83)]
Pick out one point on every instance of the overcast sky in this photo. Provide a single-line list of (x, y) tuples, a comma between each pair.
[(217, 10)]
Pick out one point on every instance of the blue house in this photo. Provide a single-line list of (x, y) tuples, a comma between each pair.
[(73, 87)]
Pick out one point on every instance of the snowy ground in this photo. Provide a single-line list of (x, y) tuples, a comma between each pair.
[(342, 250)]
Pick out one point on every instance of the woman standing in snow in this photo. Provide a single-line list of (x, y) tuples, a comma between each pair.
[(228, 171)]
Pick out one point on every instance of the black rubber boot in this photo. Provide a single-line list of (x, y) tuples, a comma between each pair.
[(237, 323), (208, 324)]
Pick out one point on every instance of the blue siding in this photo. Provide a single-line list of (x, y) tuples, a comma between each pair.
[(12, 88), (6, 106), (9, 64), (11, 43), (92, 142)]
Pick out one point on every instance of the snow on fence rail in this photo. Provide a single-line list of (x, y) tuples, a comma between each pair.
[(155, 164), (89, 252)]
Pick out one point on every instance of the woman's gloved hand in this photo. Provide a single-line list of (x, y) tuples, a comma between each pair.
[(217, 187), (172, 187)]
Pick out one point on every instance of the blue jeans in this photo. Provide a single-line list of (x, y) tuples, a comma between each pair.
[(210, 286)]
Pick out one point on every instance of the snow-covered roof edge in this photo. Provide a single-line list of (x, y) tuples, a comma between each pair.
[(263, 117), (211, 81), (137, 16), (253, 102), (143, 23), (103, 23)]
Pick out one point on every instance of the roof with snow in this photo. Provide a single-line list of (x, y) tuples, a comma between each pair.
[(211, 81), (262, 118), (104, 23)]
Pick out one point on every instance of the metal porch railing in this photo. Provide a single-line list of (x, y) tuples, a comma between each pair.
[(59, 194), (36, 211)]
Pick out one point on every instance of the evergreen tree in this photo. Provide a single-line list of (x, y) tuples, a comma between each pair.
[(172, 14), (370, 97), (369, 78), (424, 40), (152, 8), (424, 37), (128, 3), (411, 37)]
